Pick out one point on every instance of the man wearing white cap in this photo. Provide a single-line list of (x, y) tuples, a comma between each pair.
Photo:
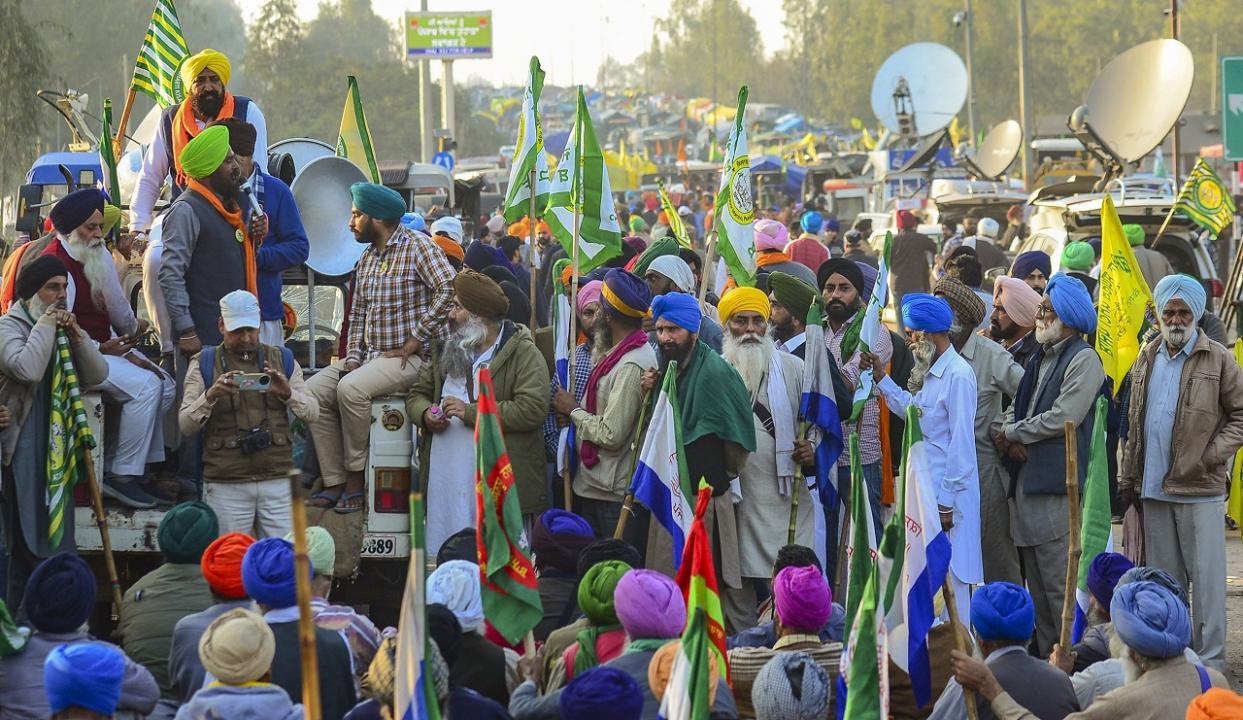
[(989, 254), (448, 226), (670, 273), (496, 230), (238, 397)]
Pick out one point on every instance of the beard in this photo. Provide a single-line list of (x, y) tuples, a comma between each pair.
[(462, 346), (1176, 335), (367, 234), (97, 265), (840, 311), (924, 352), (673, 351), (1051, 331), (600, 335), (958, 333), (1131, 670), (228, 187), (750, 355), (206, 104), (783, 331), (997, 332)]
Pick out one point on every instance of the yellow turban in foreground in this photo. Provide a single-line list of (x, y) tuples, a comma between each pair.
[(202, 155), (744, 299), (208, 58)]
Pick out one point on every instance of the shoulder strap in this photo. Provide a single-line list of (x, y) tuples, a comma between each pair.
[(287, 360), (207, 365), (1205, 681), (241, 106)]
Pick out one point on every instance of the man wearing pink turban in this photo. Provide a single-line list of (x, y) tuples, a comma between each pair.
[(771, 238), (1014, 317)]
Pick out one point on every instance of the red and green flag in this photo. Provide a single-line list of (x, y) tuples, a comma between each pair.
[(697, 578), (511, 600)]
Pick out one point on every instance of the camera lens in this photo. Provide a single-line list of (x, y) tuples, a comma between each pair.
[(264, 381)]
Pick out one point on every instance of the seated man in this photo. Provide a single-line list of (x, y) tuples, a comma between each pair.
[(239, 397), (27, 343), (143, 391), (1004, 618), (83, 680), (359, 632), (402, 293), (765, 633)]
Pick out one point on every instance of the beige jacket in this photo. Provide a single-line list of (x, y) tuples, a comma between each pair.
[(1208, 424)]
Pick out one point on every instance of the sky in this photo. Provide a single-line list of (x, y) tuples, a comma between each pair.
[(596, 29)]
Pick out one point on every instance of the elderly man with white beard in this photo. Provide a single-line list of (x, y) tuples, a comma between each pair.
[(1186, 422), (772, 473), (944, 391), (143, 391), (1061, 382), (443, 403)]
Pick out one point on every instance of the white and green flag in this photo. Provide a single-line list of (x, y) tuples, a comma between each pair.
[(866, 328), (529, 154), (735, 207), (581, 182)]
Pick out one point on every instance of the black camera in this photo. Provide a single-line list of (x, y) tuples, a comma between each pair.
[(254, 440)]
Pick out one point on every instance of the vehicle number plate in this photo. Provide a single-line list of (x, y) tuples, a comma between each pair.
[(379, 546)]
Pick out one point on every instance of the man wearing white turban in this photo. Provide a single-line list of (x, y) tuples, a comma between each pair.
[(1186, 422)]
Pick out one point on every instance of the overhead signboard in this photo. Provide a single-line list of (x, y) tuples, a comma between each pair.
[(1232, 107), (448, 35)]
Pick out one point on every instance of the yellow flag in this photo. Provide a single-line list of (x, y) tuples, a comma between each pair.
[(354, 139), (1124, 297)]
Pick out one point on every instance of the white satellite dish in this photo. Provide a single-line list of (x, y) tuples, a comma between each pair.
[(1138, 97), (995, 155), (919, 89)]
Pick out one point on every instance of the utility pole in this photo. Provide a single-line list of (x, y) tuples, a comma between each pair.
[(446, 97), (968, 21), (1177, 144), (1025, 108), (426, 120)]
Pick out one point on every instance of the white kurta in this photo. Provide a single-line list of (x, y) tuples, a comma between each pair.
[(947, 403)]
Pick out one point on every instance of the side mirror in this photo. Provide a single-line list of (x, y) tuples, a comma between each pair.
[(29, 221)]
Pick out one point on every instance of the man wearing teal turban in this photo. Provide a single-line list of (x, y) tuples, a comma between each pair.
[(1186, 419), (203, 78)]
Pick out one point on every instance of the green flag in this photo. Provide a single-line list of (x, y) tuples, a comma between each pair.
[(865, 664), (581, 182), (1095, 527), (354, 138), (511, 600), (735, 208), (529, 154), (68, 437), (1205, 199), (160, 57)]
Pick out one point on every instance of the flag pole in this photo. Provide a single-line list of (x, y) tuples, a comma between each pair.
[(709, 256), (961, 640), (802, 433), (533, 251), (640, 430), (101, 522), (1075, 549), (302, 576), (122, 126), (567, 483)]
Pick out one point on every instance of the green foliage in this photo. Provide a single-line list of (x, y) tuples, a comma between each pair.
[(25, 65)]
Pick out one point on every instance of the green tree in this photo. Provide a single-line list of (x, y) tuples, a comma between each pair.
[(25, 66)]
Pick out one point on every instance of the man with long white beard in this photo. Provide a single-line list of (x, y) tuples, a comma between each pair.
[(772, 473), (944, 391), (443, 403), (141, 390), (1186, 422), (1060, 383)]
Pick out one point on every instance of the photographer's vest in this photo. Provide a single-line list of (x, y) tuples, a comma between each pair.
[(231, 417)]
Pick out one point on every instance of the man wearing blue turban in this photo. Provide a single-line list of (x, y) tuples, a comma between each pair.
[(1004, 617), (945, 393), (1061, 382), (1186, 420)]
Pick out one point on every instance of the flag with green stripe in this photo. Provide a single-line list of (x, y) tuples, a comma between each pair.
[(68, 437), (160, 57), (510, 593), (530, 154), (697, 578), (735, 206), (865, 328), (865, 662), (354, 138), (1205, 199)]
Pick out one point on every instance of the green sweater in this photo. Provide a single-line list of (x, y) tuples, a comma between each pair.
[(150, 610)]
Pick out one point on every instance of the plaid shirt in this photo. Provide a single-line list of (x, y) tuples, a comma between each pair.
[(401, 292), (869, 435), (582, 373)]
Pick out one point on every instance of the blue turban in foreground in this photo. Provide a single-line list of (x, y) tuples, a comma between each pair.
[(1150, 620), (678, 308), (602, 693), (86, 675), (624, 293), (60, 594), (74, 209), (1072, 302), (1142, 573), (1028, 261), (1103, 575), (378, 201), (268, 573), (926, 313), (1183, 287), (1003, 611)]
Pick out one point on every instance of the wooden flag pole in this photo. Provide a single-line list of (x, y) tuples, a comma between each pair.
[(795, 492), (640, 430), (101, 522), (306, 625), (708, 270), (1075, 549), (534, 253), (961, 639), (122, 126)]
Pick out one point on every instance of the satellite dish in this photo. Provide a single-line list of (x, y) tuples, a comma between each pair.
[(322, 192), (919, 89), (926, 151), (995, 155), (1138, 97)]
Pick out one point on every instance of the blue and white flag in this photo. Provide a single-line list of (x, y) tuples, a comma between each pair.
[(914, 558), (819, 410), (870, 329), (661, 481), (561, 363), (413, 692)]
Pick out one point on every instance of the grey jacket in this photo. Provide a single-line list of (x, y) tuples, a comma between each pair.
[(21, 680), (262, 701), (26, 346)]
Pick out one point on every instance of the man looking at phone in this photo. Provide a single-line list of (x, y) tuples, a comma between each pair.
[(143, 392), (238, 397)]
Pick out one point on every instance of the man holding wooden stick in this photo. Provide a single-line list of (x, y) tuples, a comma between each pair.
[(1059, 385)]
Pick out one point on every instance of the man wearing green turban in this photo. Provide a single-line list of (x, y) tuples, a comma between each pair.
[(1077, 260), (1151, 263), (604, 638), (791, 299), (153, 605)]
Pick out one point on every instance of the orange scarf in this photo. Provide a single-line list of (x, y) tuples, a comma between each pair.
[(186, 128), (235, 219), (770, 257)]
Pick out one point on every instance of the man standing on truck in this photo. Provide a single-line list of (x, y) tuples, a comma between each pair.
[(237, 397), (204, 77), (403, 289)]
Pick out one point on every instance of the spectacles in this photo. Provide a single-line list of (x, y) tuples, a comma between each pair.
[(1043, 309)]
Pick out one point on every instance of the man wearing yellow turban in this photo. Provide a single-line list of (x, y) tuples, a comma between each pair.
[(772, 472), (203, 78)]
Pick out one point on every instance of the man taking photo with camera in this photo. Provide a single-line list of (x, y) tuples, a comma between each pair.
[(239, 397)]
